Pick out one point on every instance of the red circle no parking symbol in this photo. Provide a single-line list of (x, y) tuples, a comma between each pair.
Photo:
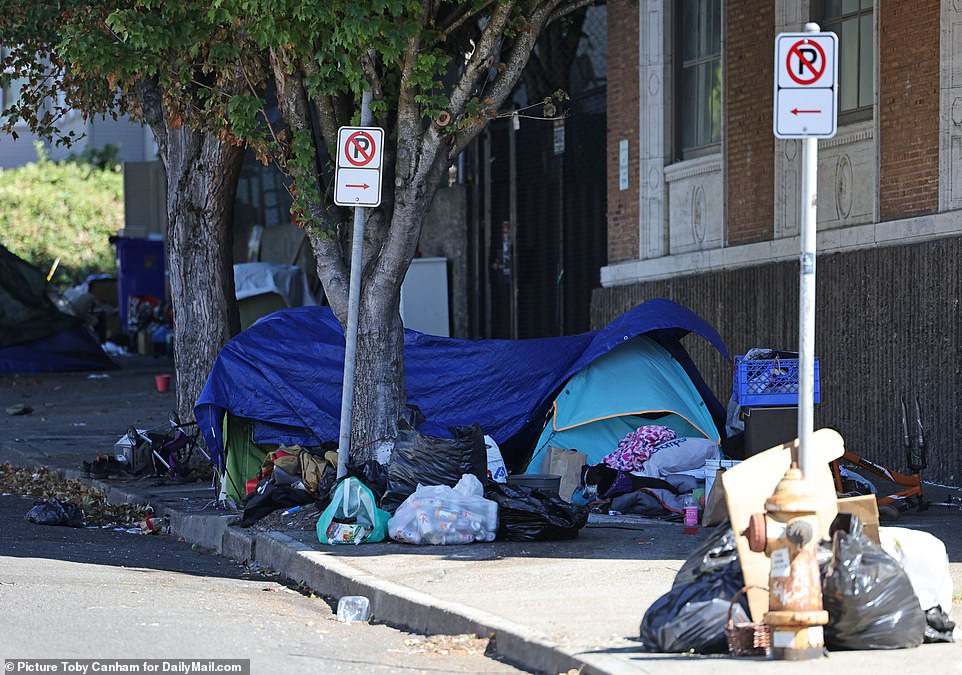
[(805, 62), (359, 148)]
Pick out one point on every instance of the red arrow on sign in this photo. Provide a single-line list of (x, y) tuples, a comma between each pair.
[(796, 111), (363, 187)]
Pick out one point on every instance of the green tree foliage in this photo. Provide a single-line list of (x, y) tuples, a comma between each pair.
[(438, 71), (64, 210)]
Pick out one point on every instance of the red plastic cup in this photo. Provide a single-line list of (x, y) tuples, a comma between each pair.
[(162, 382)]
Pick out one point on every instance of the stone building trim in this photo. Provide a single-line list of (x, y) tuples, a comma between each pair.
[(869, 235)]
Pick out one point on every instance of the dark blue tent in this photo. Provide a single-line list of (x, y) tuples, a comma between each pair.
[(284, 373), (36, 337)]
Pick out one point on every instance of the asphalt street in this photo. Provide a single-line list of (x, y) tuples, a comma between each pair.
[(93, 593)]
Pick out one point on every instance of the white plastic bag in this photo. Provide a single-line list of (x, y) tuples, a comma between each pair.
[(438, 514), (925, 561)]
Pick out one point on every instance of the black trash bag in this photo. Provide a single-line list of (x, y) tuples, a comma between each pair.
[(372, 473), (692, 616), (714, 554), (269, 497), (869, 598), (939, 627), (54, 512), (530, 514), (426, 460)]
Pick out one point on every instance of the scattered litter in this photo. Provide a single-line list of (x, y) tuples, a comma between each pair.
[(98, 376), (40, 483), (448, 645), (19, 409), (353, 608), (78, 424), (153, 525), (114, 349)]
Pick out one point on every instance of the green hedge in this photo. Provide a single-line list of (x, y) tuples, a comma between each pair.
[(62, 209)]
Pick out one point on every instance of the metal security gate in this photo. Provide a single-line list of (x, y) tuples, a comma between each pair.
[(537, 197)]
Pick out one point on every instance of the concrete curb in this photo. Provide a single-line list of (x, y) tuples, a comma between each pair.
[(391, 603)]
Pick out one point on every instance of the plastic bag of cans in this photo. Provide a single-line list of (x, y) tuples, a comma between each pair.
[(441, 515)]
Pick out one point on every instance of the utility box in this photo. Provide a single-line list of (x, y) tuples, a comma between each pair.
[(424, 297), (766, 427)]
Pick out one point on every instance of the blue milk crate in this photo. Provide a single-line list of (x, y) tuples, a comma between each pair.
[(768, 382)]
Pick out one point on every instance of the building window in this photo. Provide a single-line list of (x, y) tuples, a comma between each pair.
[(852, 21), (699, 76)]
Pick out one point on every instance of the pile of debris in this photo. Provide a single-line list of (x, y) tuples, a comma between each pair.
[(43, 484)]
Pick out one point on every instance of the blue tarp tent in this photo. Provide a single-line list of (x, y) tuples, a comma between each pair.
[(284, 374), (606, 400)]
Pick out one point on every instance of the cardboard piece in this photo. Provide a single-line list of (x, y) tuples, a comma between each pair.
[(567, 464), (715, 510), (866, 508), (749, 484)]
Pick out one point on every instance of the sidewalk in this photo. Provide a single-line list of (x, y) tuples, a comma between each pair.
[(551, 605)]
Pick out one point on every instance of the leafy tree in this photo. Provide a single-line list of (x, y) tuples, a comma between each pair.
[(438, 70), (169, 71), (203, 75)]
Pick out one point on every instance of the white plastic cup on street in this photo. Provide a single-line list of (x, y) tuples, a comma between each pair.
[(353, 608)]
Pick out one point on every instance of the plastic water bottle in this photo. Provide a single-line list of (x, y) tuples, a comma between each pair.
[(353, 608), (691, 514)]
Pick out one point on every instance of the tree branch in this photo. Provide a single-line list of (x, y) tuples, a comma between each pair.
[(324, 111), (479, 61), (151, 104), (508, 78), (459, 18), (408, 115), (568, 7), (293, 105)]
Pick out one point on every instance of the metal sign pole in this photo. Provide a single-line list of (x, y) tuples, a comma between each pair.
[(353, 307), (806, 299)]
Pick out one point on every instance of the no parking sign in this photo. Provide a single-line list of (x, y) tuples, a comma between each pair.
[(358, 179), (806, 77)]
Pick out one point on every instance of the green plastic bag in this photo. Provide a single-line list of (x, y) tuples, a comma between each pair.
[(352, 517)]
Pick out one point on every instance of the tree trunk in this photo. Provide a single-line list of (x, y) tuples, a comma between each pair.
[(202, 173), (378, 383)]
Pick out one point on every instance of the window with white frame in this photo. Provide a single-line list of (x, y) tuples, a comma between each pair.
[(853, 22), (699, 76)]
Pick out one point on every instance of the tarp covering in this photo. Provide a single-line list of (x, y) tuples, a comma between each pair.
[(285, 372), (603, 402), (68, 350), (26, 313), (288, 281)]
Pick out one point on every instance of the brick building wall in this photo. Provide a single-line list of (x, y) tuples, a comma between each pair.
[(888, 331), (623, 117), (749, 143), (908, 108)]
